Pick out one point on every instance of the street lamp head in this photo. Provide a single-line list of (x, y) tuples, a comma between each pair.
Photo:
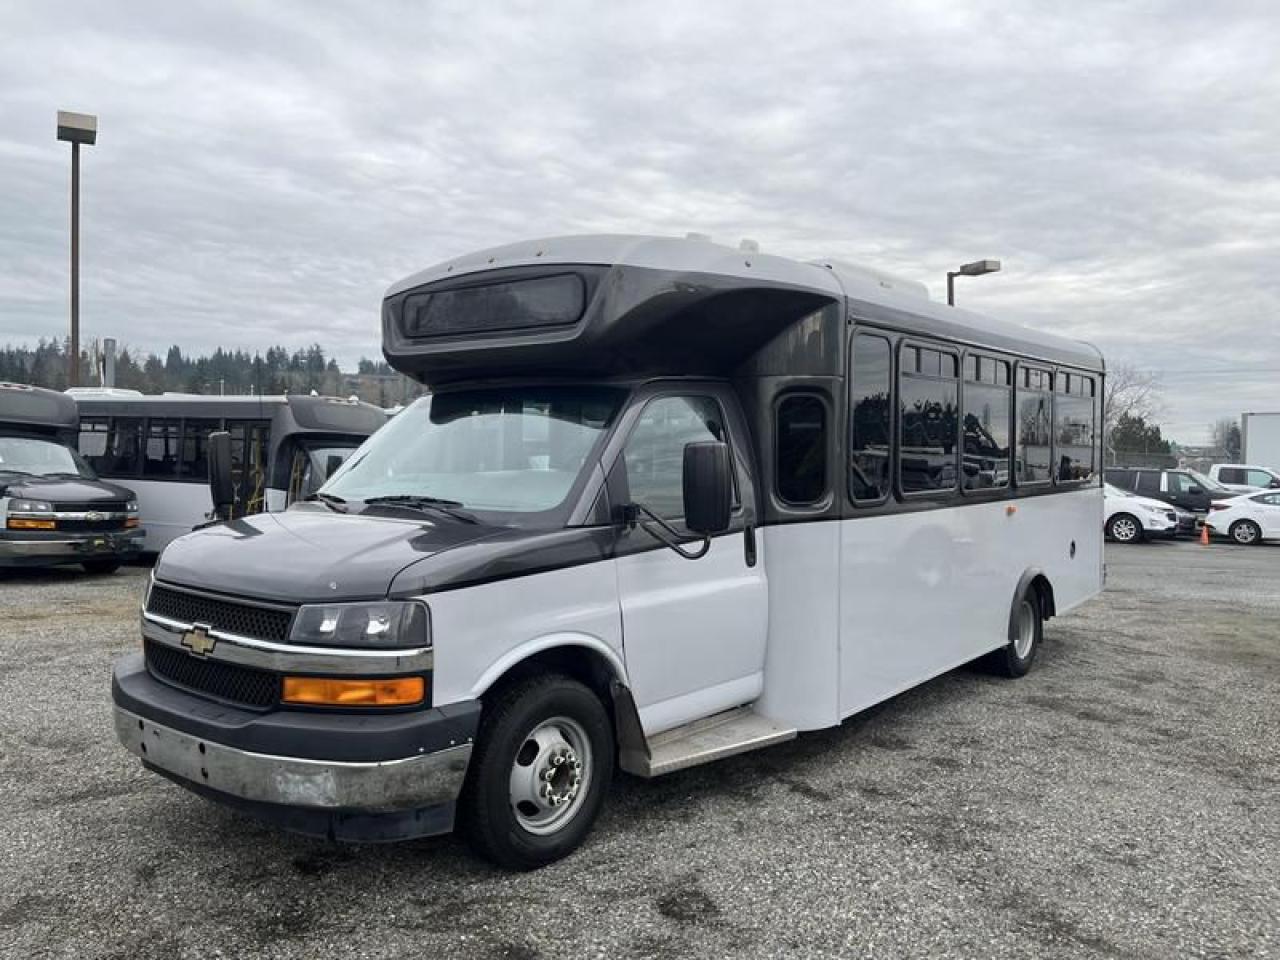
[(979, 267), (77, 127)]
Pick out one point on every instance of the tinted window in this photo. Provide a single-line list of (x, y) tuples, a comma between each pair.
[(985, 450), (160, 453), (1073, 433), (1231, 475), (802, 449), (122, 452), (1120, 478), (249, 462), (93, 437), (516, 305), (1183, 483), (869, 418), (1035, 425), (1270, 499), (654, 453), (927, 432), (194, 461), (1148, 481)]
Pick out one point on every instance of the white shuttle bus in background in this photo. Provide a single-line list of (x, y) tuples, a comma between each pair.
[(282, 449), (668, 501)]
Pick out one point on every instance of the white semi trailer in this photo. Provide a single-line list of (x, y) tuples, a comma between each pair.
[(1260, 439)]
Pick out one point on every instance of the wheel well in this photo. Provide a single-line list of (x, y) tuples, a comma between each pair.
[(581, 663), (1044, 591)]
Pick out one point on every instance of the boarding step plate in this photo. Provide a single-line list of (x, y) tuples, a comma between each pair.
[(725, 734)]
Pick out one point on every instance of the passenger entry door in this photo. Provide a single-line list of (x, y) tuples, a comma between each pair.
[(694, 631)]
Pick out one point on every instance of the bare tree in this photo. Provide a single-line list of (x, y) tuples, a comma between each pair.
[(1131, 392)]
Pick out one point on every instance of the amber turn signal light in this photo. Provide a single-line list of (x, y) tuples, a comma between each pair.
[(22, 523), (325, 691), (130, 522)]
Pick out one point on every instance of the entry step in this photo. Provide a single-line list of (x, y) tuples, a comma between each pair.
[(713, 738)]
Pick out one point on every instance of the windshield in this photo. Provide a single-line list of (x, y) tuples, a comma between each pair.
[(41, 458), (515, 452)]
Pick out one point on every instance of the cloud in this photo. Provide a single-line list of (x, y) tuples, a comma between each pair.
[(264, 172)]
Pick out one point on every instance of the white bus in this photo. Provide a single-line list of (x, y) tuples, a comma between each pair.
[(668, 501), (282, 449)]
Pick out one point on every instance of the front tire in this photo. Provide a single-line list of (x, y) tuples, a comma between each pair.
[(1026, 630), (1124, 528), (539, 774), (1246, 533), (101, 566)]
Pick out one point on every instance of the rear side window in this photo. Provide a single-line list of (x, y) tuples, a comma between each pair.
[(869, 418), (929, 399), (1035, 420), (1148, 481), (121, 454), (1120, 478), (1231, 475), (801, 449), (160, 454)]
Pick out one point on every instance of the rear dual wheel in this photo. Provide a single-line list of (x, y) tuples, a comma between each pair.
[(1026, 630), (539, 774)]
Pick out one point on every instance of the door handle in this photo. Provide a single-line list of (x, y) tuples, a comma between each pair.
[(749, 544)]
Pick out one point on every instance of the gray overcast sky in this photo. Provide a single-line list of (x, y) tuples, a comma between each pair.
[(264, 171)]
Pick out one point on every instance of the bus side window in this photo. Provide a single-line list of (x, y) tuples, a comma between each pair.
[(93, 439), (122, 453), (801, 449), (869, 398), (1073, 427), (160, 454), (194, 463), (249, 462), (929, 401), (985, 424), (1035, 425)]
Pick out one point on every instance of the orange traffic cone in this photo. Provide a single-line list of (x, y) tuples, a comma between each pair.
[(1204, 534)]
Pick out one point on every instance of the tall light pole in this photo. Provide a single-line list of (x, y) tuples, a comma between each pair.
[(975, 269), (76, 128)]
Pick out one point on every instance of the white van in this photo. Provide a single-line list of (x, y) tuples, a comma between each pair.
[(668, 501)]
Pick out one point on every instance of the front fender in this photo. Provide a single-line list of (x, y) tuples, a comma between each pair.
[(517, 655)]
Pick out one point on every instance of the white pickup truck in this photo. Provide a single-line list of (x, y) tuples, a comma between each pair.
[(1245, 477)]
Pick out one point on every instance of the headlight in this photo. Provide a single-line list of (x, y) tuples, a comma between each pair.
[(389, 624), (131, 506), (30, 506)]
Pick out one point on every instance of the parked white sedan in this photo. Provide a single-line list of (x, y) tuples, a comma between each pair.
[(1129, 518), (1249, 519)]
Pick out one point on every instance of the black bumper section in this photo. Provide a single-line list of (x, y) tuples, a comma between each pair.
[(310, 735)]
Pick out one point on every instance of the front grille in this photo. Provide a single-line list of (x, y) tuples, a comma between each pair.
[(91, 526), (261, 623), (225, 681), (102, 506)]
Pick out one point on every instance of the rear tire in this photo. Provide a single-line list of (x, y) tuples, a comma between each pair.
[(539, 773), (1246, 533), (101, 566), (1124, 528), (1026, 630)]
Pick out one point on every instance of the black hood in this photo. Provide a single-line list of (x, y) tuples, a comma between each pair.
[(63, 490), (309, 553)]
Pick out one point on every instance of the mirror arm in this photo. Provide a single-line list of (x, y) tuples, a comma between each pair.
[(664, 532)]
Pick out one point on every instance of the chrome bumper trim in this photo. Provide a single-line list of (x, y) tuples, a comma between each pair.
[(118, 540), (288, 657), (410, 783)]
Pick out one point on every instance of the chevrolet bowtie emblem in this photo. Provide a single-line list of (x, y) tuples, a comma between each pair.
[(93, 516), (198, 641)]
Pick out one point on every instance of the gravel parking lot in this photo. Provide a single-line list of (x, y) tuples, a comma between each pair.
[(1121, 801)]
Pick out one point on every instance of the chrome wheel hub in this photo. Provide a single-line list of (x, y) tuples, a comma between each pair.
[(1025, 632), (550, 775), (1124, 529)]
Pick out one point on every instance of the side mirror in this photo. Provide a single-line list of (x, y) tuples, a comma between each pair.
[(221, 489), (331, 464), (1195, 491), (1275, 483), (708, 487)]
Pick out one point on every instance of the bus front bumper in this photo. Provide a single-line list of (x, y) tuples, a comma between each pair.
[(358, 777), (21, 548)]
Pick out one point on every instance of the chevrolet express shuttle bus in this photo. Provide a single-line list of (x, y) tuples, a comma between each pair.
[(282, 449), (54, 510), (667, 502)]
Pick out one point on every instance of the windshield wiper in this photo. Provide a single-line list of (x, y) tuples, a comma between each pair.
[(336, 504), (426, 504)]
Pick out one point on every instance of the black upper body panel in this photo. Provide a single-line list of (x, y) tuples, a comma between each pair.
[(65, 491)]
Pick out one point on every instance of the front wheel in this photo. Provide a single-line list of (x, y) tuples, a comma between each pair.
[(1246, 532), (1124, 528), (103, 565), (539, 773)]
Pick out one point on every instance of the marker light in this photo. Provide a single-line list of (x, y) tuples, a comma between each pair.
[(325, 691), (27, 523)]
